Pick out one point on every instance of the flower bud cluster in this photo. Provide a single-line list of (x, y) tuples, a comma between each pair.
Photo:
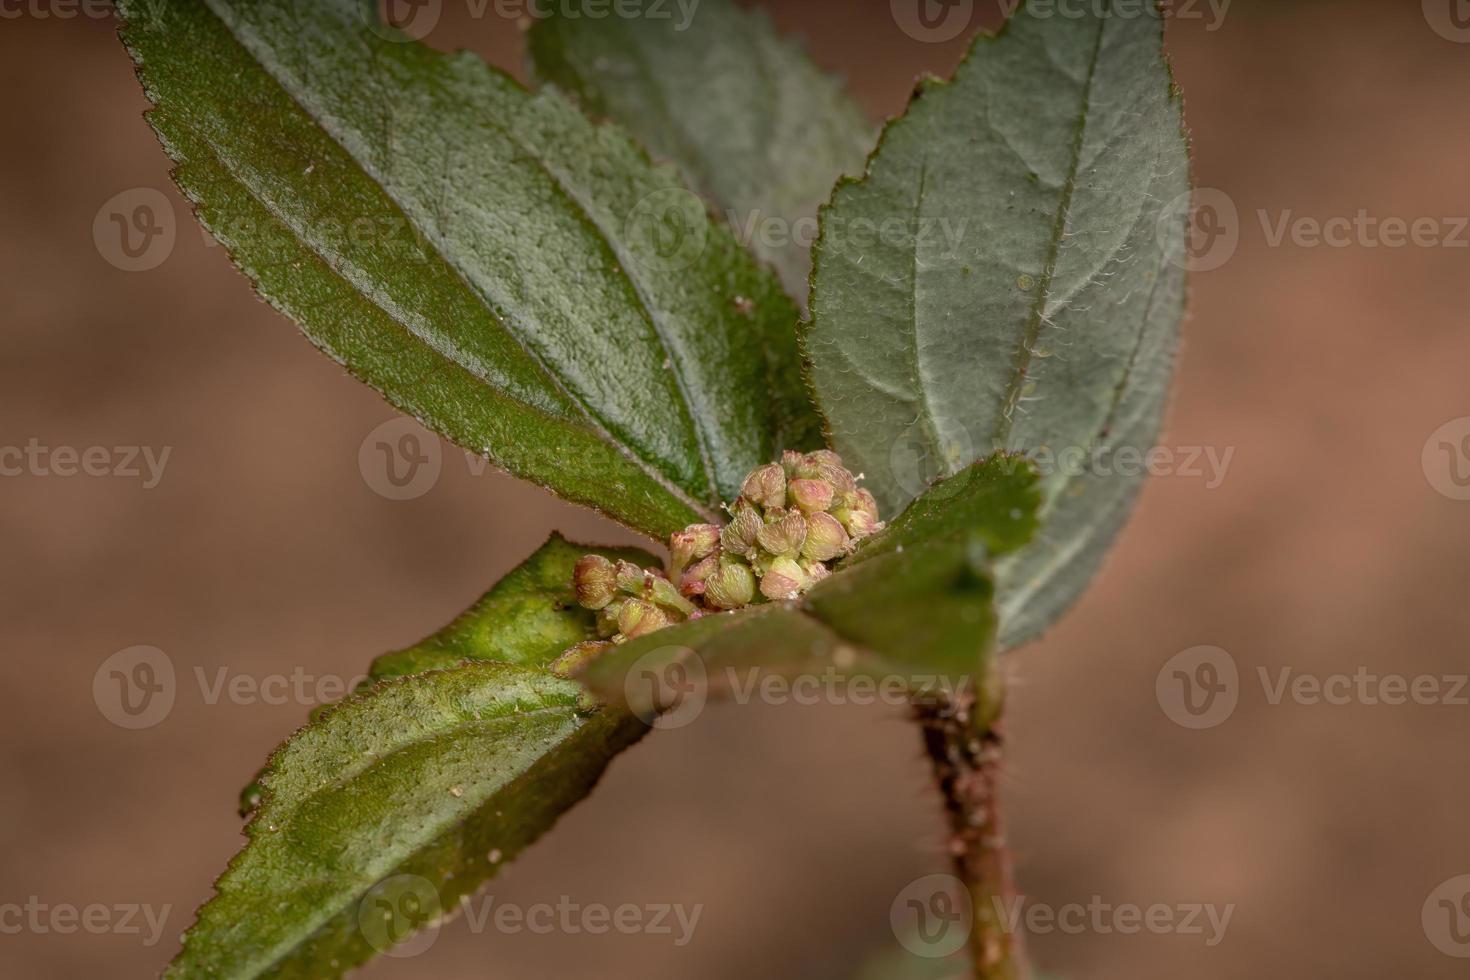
[(791, 520)]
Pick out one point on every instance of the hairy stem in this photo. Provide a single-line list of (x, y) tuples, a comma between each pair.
[(963, 738)]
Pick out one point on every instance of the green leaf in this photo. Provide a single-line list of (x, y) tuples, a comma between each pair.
[(754, 125), (381, 814), (915, 603), (1034, 301), (526, 283), (530, 617)]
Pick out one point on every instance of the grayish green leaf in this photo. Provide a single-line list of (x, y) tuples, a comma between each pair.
[(1034, 301), (751, 121)]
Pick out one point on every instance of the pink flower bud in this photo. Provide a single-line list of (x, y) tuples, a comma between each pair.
[(738, 537), (784, 580), (784, 535), (811, 496), (693, 580), (826, 538), (690, 545), (766, 486)]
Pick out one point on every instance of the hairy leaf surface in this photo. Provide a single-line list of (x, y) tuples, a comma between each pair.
[(379, 815), (526, 283), (750, 120), (530, 617), (1033, 303)]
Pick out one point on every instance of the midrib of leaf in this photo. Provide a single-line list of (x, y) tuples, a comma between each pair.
[(512, 712), (423, 328), (1010, 603), (647, 309), (1037, 317), (275, 71), (926, 409)]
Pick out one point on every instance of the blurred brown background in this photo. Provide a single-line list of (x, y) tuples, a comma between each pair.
[(264, 551)]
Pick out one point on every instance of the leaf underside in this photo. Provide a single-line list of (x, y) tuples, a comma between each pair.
[(751, 122), (1033, 301), (523, 281)]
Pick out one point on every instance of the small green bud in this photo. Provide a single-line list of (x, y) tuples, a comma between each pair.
[(630, 578), (841, 480), (575, 658), (665, 594), (859, 523), (731, 586), (811, 496), (595, 579), (826, 538), (738, 537), (766, 486), (784, 535), (784, 580), (858, 512), (693, 580), (607, 619), (639, 618), (690, 545)]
